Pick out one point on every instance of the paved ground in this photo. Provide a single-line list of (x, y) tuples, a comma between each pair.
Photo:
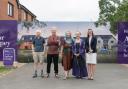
[(108, 76), (16, 65)]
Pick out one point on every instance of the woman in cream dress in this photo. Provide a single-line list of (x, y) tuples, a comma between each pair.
[(91, 55)]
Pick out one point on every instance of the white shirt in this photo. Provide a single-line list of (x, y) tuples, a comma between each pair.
[(90, 38)]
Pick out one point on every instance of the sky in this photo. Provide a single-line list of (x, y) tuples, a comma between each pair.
[(63, 10)]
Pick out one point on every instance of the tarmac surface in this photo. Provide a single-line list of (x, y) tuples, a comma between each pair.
[(108, 76)]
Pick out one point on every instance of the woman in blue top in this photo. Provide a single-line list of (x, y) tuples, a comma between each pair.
[(79, 65)]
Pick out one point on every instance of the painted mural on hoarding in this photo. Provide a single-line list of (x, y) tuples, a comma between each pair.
[(107, 42)]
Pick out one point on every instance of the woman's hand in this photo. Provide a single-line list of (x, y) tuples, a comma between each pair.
[(90, 51), (77, 55), (60, 55)]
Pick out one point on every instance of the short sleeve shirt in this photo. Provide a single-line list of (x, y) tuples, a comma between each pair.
[(38, 43)]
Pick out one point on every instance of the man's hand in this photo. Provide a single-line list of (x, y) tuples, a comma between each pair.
[(45, 53), (33, 52)]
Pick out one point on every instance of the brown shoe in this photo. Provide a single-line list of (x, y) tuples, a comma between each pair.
[(91, 78), (47, 76)]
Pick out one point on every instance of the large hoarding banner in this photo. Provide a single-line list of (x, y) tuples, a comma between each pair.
[(8, 41), (123, 42)]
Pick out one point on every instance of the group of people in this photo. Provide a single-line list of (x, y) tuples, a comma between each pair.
[(76, 53)]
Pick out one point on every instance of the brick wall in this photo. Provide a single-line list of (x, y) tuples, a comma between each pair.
[(18, 13), (4, 10)]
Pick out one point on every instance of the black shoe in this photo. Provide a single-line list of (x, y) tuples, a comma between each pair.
[(34, 76), (56, 76), (42, 74), (77, 77), (81, 77)]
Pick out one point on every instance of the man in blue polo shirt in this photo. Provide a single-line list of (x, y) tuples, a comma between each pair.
[(38, 52)]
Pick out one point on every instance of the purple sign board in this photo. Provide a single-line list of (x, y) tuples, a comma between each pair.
[(8, 41), (8, 56), (123, 42)]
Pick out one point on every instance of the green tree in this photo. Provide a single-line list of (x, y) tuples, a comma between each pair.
[(39, 24), (33, 24), (112, 12), (28, 24)]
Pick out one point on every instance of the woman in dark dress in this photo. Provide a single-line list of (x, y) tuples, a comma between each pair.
[(79, 65), (67, 54)]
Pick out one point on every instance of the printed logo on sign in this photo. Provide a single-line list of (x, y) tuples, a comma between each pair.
[(126, 47), (8, 56)]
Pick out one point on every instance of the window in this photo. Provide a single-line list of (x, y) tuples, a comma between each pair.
[(22, 38), (24, 16), (32, 18), (98, 41), (10, 9), (112, 41)]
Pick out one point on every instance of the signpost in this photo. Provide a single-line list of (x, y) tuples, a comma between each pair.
[(8, 56)]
